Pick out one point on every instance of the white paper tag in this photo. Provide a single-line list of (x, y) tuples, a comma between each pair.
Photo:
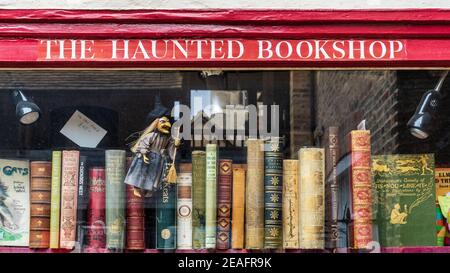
[(83, 131)]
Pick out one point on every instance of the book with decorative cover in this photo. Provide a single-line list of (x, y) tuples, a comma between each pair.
[(405, 199), (361, 228), (83, 200), (41, 180), (15, 202), (254, 195), (69, 183), (442, 178), (96, 219), (224, 189), (290, 204), (238, 208), (115, 166), (184, 207), (198, 199), (273, 191), (211, 195), (55, 205), (166, 215), (311, 198), (331, 186)]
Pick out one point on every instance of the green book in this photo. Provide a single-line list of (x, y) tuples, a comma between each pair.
[(273, 191), (166, 213), (211, 195), (115, 161), (405, 199), (55, 205), (198, 199)]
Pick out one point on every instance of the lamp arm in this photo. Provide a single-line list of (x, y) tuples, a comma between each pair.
[(441, 81)]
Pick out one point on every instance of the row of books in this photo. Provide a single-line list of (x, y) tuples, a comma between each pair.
[(327, 198)]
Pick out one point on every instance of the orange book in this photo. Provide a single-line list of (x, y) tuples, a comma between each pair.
[(238, 208)]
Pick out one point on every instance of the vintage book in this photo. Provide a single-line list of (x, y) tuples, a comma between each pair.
[(41, 185), (135, 221), (55, 205), (273, 191), (150, 223), (405, 199), (69, 183), (15, 202), (198, 199), (331, 187), (224, 188), (184, 207), (290, 204), (360, 184), (166, 215), (115, 166), (238, 208), (82, 200), (311, 198), (96, 219), (135, 213), (442, 178), (254, 195), (211, 195)]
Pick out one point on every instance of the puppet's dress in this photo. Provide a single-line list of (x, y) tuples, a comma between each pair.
[(159, 148)]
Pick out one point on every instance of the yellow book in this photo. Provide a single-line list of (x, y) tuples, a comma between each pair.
[(290, 204)]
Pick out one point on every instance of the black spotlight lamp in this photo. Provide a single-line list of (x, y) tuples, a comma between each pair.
[(26, 110), (421, 123)]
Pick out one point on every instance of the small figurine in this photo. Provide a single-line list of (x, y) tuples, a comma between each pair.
[(152, 150)]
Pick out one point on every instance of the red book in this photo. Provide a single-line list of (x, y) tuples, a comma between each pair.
[(96, 233), (224, 204), (361, 188), (135, 220)]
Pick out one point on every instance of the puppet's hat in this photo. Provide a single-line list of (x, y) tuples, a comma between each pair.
[(159, 110)]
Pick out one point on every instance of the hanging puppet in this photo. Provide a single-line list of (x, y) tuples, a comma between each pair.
[(154, 148)]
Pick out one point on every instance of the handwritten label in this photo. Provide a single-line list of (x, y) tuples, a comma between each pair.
[(83, 131)]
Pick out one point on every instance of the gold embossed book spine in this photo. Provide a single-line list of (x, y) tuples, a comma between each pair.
[(290, 204), (224, 204), (254, 210), (184, 207), (312, 202)]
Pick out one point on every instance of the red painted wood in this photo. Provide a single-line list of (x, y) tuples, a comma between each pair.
[(142, 31), (228, 16)]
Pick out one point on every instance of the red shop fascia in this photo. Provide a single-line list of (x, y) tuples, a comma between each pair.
[(224, 39)]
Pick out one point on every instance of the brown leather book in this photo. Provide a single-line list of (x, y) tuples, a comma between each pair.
[(135, 220), (238, 208), (41, 179), (224, 203)]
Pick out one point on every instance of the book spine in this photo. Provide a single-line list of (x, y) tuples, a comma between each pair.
[(238, 208), (290, 204), (184, 209), (254, 195), (361, 188), (135, 220), (69, 182), (41, 173), (311, 201), (198, 199), (224, 204), (55, 205), (166, 216), (331, 187), (273, 191), (150, 222), (115, 161), (211, 195), (82, 200), (96, 235)]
